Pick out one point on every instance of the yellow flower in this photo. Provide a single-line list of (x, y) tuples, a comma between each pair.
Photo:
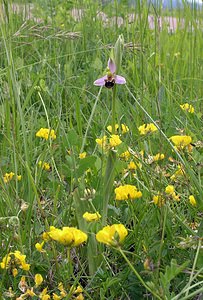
[(39, 247), (187, 107), (43, 295), (181, 141), (132, 166), (178, 173), (45, 236), (102, 142), (5, 261), (60, 286), (112, 235), (158, 200), (126, 192), (175, 196), (68, 236), (124, 128), (147, 128), (158, 156), (8, 177), (15, 272), (114, 140), (169, 189), (38, 279), (109, 128), (192, 200), (91, 217), (20, 260), (44, 165), (78, 290), (19, 177), (30, 293), (125, 155), (63, 294), (62, 290), (80, 297), (46, 133), (56, 297), (24, 266), (82, 155)]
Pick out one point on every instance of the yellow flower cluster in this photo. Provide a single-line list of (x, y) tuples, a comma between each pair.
[(46, 133), (125, 155), (75, 292), (114, 141), (90, 217), (158, 156), (132, 166), (154, 158), (125, 192), (68, 236), (15, 259), (112, 235), (102, 142), (44, 165), (147, 128), (44, 294), (181, 141), (170, 190), (158, 200), (187, 107), (124, 128), (9, 176)]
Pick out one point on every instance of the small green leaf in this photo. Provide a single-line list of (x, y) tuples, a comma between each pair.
[(73, 138), (86, 163)]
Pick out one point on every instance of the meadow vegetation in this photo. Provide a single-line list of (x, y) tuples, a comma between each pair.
[(100, 188)]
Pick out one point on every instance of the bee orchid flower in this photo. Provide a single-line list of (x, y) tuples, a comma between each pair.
[(110, 78)]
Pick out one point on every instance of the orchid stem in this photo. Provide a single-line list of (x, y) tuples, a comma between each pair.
[(109, 174), (113, 109)]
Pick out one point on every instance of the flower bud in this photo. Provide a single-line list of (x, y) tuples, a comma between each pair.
[(118, 52)]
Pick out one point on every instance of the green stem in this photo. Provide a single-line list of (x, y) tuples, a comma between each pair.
[(138, 275), (108, 184), (162, 239), (69, 264), (193, 267), (113, 109)]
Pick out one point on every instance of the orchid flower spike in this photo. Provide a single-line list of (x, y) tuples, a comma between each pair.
[(110, 78)]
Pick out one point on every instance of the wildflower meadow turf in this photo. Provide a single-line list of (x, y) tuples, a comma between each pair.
[(101, 174)]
